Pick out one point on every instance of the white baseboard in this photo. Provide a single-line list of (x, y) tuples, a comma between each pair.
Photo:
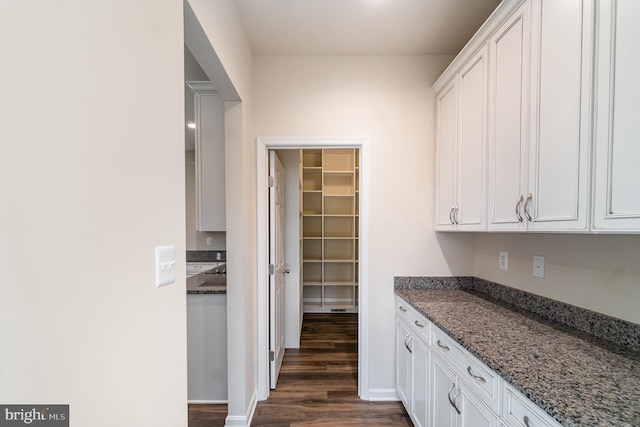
[(383, 394), (208, 402), (243, 420)]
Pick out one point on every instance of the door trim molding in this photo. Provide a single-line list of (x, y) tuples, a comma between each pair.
[(264, 144)]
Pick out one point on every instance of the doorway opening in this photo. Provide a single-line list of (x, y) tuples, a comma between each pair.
[(336, 277)]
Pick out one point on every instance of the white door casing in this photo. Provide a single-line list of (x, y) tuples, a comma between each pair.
[(262, 169), (276, 267)]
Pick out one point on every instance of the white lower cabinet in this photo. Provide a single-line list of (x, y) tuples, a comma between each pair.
[(443, 385), (412, 373), (443, 412), (403, 361), (454, 402), (207, 348), (518, 411), (419, 382)]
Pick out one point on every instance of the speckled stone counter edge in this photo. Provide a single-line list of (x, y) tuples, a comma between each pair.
[(621, 332), (212, 290), (206, 256)]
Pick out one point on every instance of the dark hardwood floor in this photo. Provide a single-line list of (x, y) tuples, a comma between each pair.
[(318, 384)]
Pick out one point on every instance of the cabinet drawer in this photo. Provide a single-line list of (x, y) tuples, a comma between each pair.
[(517, 408), (417, 321), (480, 379)]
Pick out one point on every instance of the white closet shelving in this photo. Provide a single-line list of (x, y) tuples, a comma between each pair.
[(330, 199)]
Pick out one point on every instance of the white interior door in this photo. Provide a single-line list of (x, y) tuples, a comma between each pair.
[(277, 270)]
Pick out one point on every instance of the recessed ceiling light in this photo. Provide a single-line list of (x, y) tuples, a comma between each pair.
[(191, 125)]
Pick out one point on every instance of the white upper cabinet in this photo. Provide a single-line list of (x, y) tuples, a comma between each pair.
[(210, 155), (509, 49), (472, 153), (557, 195), (617, 130), (461, 142), (446, 157), (516, 121), (541, 117)]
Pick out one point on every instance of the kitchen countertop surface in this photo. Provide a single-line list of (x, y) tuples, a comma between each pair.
[(579, 380), (207, 283)]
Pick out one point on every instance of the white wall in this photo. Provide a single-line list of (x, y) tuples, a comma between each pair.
[(385, 98), (225, 34), (597, 272), (92, 179)]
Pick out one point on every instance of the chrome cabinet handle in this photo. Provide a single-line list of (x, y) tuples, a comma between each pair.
[(453, 208), (407, 345), (526, 210), (520, 219), (475, 377), (402, 309), (526, 421), (442, 345), (452, 401), (418, 324)]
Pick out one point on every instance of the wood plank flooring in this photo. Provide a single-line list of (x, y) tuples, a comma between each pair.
[(318, 384)]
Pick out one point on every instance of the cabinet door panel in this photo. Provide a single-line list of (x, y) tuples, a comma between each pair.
[(210, 183), (419, 388), (508, 103), (561, 81), (472, 88), (442, 413), (617, 151), (473, 413), (403, 371), (625, 149), (446, 168)]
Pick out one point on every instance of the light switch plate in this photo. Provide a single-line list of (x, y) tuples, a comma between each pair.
[(538, 266), (165, 266)]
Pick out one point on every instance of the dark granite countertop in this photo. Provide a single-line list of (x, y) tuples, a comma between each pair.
[(207, 283), (578, 379)]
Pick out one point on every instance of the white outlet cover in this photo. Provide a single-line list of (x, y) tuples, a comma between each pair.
[(538, 266), (503, 260), (165, 266)]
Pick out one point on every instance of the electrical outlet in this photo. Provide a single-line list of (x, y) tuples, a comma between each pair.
[(538, 266), (503, 260), (209, 241)]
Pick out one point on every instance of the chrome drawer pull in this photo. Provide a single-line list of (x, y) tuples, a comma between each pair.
[(403, 309), (407, 345), (520, 219), (451, 213), (475, 377), (418, 324), (451, 401), (442, 345), (526, 210), (526, 421)]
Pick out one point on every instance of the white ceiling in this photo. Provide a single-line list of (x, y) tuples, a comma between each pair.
[(361, 27)]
